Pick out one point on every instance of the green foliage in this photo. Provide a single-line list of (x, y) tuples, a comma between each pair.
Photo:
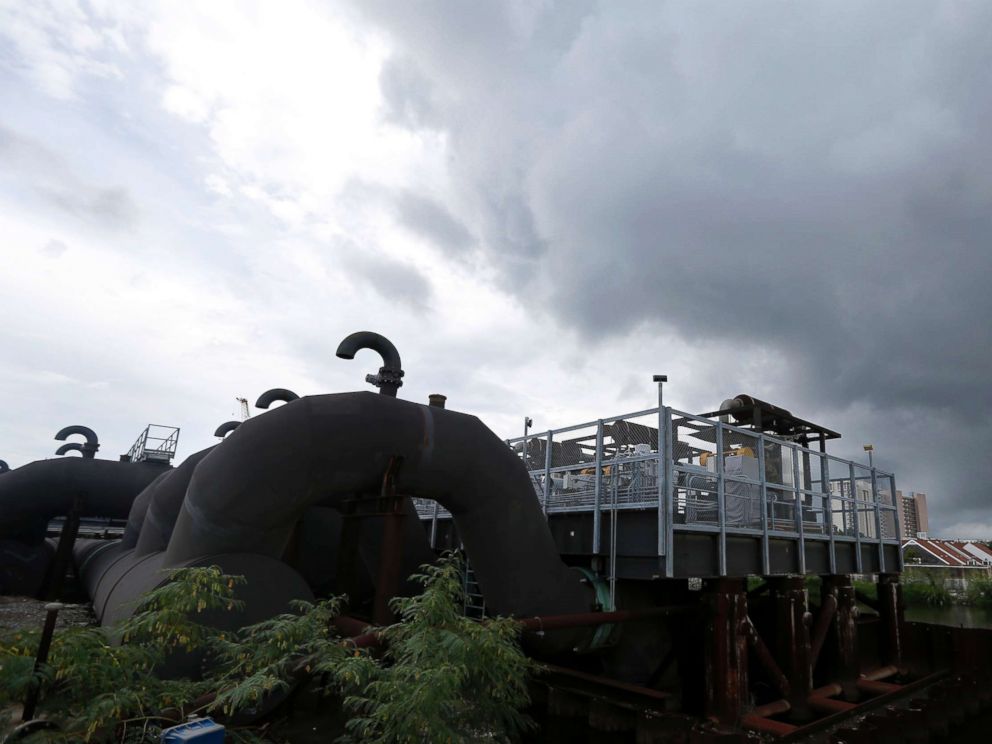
[(979, 592), (925, 592), (444, 677), (97, 689), (262, 658)]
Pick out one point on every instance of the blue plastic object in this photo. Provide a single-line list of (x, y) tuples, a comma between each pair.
[(201, 731)]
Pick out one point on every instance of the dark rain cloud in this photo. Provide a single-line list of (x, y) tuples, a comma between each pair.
[(432, 221), (813, 179), (393, 280)]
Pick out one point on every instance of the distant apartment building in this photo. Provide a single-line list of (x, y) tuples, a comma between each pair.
[(914, 519)]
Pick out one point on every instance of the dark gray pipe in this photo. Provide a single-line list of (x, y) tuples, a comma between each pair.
[(4, 467), (390, 377), (226, 428), (249, 493), (269, 397), (33, 494), (90, 447), (164, 504), (65, 449)]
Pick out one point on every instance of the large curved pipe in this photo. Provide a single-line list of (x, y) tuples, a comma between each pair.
[(269, 397), (65, 449), (33, 494), (226, 428), (92, 444), (390, 377), (165, 501), (4, 467), (320, 450)]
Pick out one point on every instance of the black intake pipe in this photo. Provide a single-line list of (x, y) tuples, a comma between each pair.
[(88, 449), (248, 495), (226, 428), (269, 397), (32, 495), (390, 377), (4, 467)]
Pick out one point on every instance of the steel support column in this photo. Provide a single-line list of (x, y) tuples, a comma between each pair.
[(792, 640), (725, 650), (891, 616), (391, 552), (842, 644)]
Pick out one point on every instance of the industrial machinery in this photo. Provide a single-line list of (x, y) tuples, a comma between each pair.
[(657, 559)]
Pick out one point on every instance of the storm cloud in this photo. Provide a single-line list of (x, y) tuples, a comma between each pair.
[(812, 179)]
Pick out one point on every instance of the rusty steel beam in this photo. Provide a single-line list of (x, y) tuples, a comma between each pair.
[(767, 726), (391, 551), (792, 641), (583, 619), (828, 607), (829, 705), (890, 614), (725, 650), (767, 660), (843, 641), (874, 687)]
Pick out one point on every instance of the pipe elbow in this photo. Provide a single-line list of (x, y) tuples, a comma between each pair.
[(269, 397), (226, 428), (89, 448), (390, 377), (65, 449), (4, 467)]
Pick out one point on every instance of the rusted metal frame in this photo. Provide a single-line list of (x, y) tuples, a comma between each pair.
[(725, 651), (792, 642), (598, 684), (842, 715), (828, 607), (63, 552), (800, 530), (721, 500), (766, 568), (767, 725), (890, 613), (878, 522), (857, 517), (391, 551), (779, 679), (846, 632)]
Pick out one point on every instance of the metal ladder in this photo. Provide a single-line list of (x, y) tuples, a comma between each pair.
[(475, 603)]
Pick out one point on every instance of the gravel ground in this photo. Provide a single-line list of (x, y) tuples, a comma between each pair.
[(24, 613)]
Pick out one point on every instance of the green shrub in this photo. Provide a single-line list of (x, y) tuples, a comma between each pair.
[(925, 592), (444, 677), (979, 592)]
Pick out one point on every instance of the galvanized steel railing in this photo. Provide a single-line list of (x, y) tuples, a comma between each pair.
[(760, 485)]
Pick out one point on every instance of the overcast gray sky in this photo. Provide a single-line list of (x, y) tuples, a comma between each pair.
[(540, 203)]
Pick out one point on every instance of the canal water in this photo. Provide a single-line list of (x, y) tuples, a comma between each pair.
[(958, 616)]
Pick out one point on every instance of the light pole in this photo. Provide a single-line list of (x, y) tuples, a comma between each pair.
[(870, 449), (661, 380), (528, 422)]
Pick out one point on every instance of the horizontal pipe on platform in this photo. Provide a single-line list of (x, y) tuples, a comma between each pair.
[(828, 690), (599, 680), (767, 726), (578, 620)]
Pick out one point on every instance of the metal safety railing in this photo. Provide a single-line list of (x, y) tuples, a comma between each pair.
[(702, 475), (157, 443)]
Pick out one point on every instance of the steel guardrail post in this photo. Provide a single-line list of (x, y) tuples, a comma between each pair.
[(797, 490), (857, 517), (721, 501)]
